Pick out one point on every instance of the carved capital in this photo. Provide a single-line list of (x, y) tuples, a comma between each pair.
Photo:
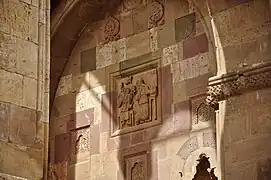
[(232, 84)]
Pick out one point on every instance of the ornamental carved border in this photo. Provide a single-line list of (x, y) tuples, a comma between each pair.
[(232, 84)]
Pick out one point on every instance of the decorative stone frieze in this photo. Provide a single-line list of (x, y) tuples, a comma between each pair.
[(232, 84)]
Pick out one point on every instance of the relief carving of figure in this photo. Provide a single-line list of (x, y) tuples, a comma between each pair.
[(134, 102), (202, 172), (125, 103)]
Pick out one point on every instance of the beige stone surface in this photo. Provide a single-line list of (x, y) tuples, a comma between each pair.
[(11, 87), (242, 40), (138, 44), (30, 91), (28, 161)]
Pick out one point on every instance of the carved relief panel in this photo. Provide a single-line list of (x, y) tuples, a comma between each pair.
[(80, 140), (136, 167), (202, 114), (137, 99)]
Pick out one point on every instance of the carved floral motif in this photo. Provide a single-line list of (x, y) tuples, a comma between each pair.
[(136, 100), (201, 112), (112, 29), (81, 141), (233, 84), (157, 14)]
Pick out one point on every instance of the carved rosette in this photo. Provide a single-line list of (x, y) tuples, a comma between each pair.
[(112, 29), (157, 14), (223, 87)]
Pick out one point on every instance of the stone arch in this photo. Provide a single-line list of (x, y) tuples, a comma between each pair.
[(69, 25)]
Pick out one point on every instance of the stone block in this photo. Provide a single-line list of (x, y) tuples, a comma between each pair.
[(120, 142), (166, 85), (220, 5), (64, 85), (166, 35), (126, 25), (21, 21), (136, 61), (25, 64), (197, 85), (29, 162), (95, 139), (192, 67), (4, 121), (182, 117), (179, 92), (11, 87), (138, 45), (252, 22), (97, 78), (106, 111), (137, 137), (79, 171), (96, 164), (104, 55), (175, 9), (60, 125), (30, 90), (247, 54), (119, 50), (195, 46), (8, 52), (22, 126), (140, 19), (170, 54), (80, 119), (64, 105), (88, 60), (62, 147), (80, 82), (185, 27)]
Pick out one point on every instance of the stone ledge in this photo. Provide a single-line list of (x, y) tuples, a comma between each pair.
[(236, 83)]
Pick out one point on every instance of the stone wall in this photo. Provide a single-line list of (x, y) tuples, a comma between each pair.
[(24, 88), (158, 53), (129, 103)]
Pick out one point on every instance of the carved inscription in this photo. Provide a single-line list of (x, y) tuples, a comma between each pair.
[(80, 141), (137, 99)]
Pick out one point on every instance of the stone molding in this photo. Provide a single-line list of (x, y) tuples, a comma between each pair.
[(9, 177), (236, 83)]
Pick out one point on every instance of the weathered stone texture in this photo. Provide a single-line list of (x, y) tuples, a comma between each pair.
[(107, 77)]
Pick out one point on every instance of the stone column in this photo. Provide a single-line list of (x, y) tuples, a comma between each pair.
[(241, 93), (24, 88)]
